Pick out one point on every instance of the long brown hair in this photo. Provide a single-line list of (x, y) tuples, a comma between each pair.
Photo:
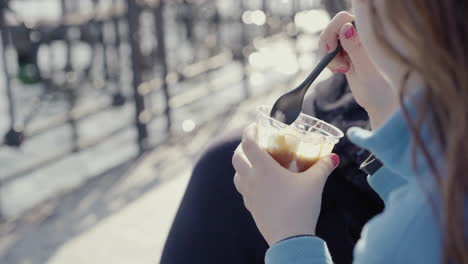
[(436, 34)]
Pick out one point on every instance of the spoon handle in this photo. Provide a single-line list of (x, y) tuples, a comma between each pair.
[(319, 69)]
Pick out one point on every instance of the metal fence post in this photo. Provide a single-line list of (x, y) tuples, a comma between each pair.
[(244, 53), (11, 109), (266, 11), (6, 70), (141, 121), (71, 94), (160, 35), (66, 9), (118, 99)]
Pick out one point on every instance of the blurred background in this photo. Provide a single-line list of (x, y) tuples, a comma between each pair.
[(106, 104)]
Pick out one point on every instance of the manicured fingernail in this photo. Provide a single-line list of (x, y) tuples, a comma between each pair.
[(327, 47), (350, 32), (335, 160)]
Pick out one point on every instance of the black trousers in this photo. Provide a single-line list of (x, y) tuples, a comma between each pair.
[(212, 224)]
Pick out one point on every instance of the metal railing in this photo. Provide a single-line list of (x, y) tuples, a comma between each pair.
[(141, 37)]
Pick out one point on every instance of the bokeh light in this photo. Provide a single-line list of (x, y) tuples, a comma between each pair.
[(188, 125), (255, 17)]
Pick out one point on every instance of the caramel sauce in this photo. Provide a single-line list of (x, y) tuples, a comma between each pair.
[(304, 163), (286, 156), (283, 157)]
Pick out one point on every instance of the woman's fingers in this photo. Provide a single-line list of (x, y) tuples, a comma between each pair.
[(257, 156), (329, 40), (341, 63), (240, 162), (254, 153), (351, 43), (323, 168), (239, 183), (329, 37), (242, 166)]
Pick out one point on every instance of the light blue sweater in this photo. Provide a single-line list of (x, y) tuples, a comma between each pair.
[(407, 230)]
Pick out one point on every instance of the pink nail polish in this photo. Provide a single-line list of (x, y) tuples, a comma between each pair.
[(335, 160), (327, 47), (344, 71), (350, 32)]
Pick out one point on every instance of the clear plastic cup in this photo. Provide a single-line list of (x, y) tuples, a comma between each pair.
[(299, 146)]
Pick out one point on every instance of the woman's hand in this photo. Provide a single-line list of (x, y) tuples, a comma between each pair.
[(283, 204), (369, 87)]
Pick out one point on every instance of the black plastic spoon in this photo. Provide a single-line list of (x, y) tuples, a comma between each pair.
[(289, 106)]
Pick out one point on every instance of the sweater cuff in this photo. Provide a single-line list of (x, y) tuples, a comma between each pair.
[(299, 250)]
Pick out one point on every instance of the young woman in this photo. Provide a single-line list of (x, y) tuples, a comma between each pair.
[(406, 65)]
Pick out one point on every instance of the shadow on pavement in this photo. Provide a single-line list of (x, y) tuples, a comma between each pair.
[(35, 237)]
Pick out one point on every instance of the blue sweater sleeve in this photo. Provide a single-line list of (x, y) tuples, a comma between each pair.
[(299, 250)]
